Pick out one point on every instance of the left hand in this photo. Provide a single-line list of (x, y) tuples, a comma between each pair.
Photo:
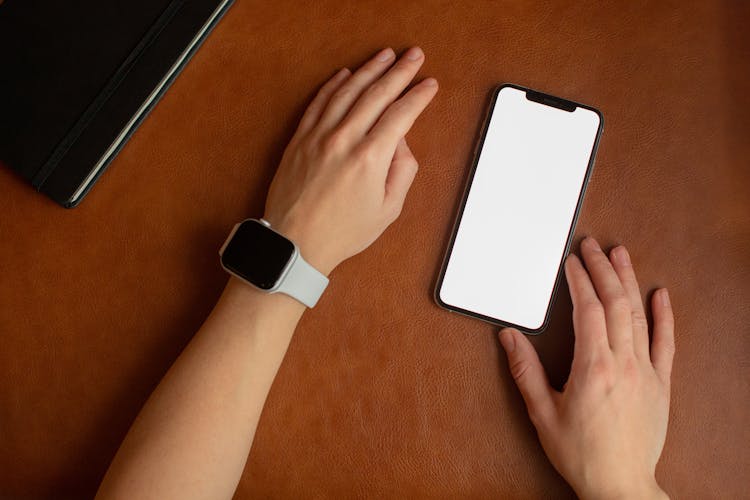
[(345, 174)]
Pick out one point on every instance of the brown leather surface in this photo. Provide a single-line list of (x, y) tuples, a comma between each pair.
[(383, 394)]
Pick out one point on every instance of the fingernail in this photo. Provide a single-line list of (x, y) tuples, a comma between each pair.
[(622, 256), (592, 243), (507, 341), (413, 54), (430, 82), (343, 72), (665, 298), (385, 55)]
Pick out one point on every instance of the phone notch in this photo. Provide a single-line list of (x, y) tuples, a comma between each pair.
[(548, 100)]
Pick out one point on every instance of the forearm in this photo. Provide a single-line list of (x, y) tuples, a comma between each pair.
[(192, 438), (342, 180)]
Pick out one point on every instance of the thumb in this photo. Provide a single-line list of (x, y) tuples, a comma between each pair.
[(401, 174), (528, 373)]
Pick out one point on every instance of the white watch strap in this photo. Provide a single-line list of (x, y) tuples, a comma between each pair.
[(303, 282)]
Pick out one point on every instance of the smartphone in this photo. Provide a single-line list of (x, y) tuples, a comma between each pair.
[(520, 208)]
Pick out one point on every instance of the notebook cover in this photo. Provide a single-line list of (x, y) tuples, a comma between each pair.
[(73, 74)]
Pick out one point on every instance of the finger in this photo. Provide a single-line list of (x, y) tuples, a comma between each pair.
[(318, 104), (662, 348), (589, 323), (400, 176), (400, 115), (383, 92), (617, 308), (623, 267), (529, 375), (347, 94)]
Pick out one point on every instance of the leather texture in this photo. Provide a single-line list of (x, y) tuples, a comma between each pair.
[(382, 393), (56, 134)]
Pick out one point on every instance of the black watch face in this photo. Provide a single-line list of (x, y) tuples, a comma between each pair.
[(258, 254)]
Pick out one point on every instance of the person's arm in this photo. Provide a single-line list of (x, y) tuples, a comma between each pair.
[(342, 180), (605, 431)]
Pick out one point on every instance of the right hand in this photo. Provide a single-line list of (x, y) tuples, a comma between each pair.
[(605, 431), (345, 174)]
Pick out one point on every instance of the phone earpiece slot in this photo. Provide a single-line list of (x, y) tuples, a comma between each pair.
[(548, 100)]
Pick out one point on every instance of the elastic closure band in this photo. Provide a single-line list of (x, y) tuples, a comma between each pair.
[(111, 86)]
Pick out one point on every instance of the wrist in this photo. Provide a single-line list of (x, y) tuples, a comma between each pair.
[(248, 299), (314, 253), (641, 489)]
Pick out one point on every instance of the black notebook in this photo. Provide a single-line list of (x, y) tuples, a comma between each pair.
[(76, 79)]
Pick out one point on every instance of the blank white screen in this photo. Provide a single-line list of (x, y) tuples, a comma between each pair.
[(511, 238)]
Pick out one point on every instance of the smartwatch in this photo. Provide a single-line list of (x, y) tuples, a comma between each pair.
[(270, 262)]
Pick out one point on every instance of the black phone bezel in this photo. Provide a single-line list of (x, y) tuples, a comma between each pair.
[(549, 100)]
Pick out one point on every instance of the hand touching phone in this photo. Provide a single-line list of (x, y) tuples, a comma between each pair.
[(605, 431)]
